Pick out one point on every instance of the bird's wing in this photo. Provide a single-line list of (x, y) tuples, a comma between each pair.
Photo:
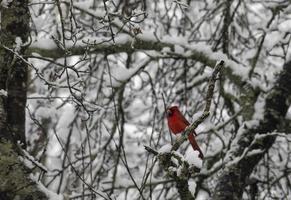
[(183, 118), (186, 121)]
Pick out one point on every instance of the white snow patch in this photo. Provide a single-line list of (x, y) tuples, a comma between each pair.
[(192, 157), (259, 109), (202, 195), (179, 49), (285, 26), (66, 118), (28, 161), (165, 149), (255, 152), (5, 3), (166, 50), (272, 39), (45, 112), (121, 74), (175, 161), (288, 115), (50, 194), (44, 44), (179, 171), (192, 186), (18, 44), (216, 145), (3, 93)]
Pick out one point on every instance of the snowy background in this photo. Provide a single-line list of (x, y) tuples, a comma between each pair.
[(102, 72)]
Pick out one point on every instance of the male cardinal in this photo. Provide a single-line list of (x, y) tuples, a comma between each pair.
[(177, 124)]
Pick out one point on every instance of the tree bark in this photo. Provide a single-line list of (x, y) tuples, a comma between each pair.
[(13, 70), (14, 176), (232, 179), (14, 34), (183, 189)]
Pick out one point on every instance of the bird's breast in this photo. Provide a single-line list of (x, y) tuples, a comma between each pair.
[(176, 126)]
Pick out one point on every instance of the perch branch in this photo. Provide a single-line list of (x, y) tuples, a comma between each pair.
[(206, 111)]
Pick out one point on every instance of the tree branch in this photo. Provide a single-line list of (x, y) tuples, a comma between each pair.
[(233, 177)]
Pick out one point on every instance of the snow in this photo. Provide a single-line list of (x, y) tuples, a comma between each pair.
[(192, 157), (66, 118), (121, 74), (272, 39), (50, 43), (175, 161), (5, 3), (216, 146), (179, 49), (259, 109), (45, 112), (203, 195), (192, 186), (166, 50), (165, 148), (288, 114), (3, 93), (121, 182), (285, 26), (50, 194), (44, 43), (255, 152), (179, 170), (30, 161), (18, 43), (181, 3), (183, 47)]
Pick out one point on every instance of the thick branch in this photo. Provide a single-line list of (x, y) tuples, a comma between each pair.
[(125, 43), (233, 178)]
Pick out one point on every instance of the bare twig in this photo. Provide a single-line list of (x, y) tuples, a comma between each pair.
[(150, 150)]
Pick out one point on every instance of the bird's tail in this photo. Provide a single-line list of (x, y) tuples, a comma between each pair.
[(194, 144)]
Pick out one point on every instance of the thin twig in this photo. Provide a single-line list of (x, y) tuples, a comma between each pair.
[(165, 108), (150, 150)]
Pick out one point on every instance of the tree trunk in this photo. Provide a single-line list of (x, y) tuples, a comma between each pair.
[(14, 175), (232, 179), (13, 69)]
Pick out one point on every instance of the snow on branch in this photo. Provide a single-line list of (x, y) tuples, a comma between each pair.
[(165, 47)]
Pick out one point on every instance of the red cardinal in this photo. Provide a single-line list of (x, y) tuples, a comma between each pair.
[(177, 124)]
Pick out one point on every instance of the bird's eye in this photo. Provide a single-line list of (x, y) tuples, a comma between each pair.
[(169, 113)]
